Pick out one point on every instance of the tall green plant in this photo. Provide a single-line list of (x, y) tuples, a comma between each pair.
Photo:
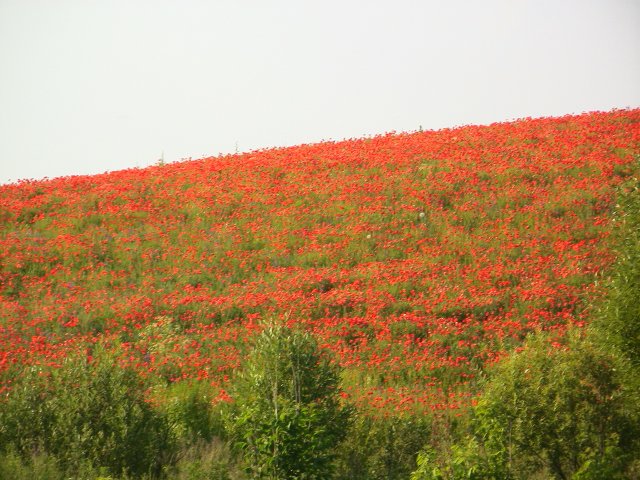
[(288, 417)]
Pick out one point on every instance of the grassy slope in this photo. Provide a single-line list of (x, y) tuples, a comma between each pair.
[(415, 258)]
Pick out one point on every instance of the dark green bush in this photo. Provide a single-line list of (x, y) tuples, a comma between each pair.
[(618, 320), (547, 412), (85, 413), (382, 448), (188, 408), (559, 411), (288, 419), (206, 461)]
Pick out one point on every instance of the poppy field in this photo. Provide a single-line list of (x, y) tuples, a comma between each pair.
[(415, 259)]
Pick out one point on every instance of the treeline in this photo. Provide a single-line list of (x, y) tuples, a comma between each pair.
[(91, 419), (563, 408)]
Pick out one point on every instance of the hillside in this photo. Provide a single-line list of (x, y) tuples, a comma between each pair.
[(416, 259)]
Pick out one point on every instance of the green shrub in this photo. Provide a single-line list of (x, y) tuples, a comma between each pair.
[(287, 419), (463, 461), (38, 466), (383, 448), (188, 408), (85, 413), (558, 410), (547, 412), (206, 461), (618, 320)]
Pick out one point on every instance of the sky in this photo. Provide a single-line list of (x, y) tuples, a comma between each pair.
[(88, 86)]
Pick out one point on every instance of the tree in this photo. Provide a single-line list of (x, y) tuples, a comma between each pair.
[(288, 417), (547, 412), (558, 410)]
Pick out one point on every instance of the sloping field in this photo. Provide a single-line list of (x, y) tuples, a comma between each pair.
[(416, 259)]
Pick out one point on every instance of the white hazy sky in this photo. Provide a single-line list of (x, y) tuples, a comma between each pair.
[(88, 86)]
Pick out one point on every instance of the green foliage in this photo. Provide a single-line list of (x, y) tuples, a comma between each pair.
[(558, 411), (464, 461), (618, 320), (287, 419), (85, 414), (43, 466), (383, 448), (196, 427), (206, 461), (188, 408), (546, 412), (39, 466)]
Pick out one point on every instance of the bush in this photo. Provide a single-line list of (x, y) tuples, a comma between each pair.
[(287, 419), (463, 461), (382, 448), (547, 412), (206, 461), (38, 466), (85, 413), (558, 411), (618, 319), (188, 408)]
